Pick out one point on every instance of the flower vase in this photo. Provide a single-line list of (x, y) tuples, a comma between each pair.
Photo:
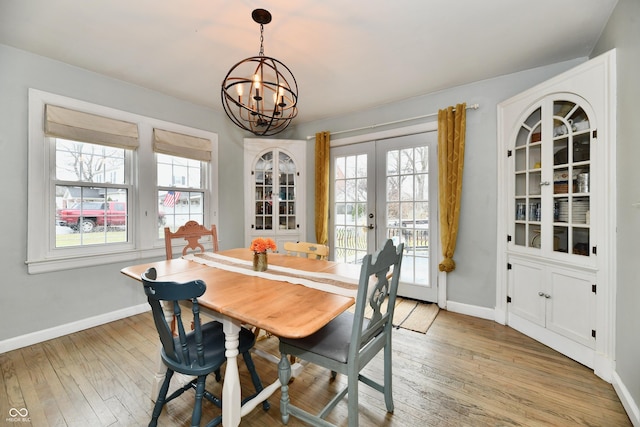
[(260, 262)]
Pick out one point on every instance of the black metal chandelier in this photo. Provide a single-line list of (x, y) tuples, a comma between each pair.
[(260, 94)]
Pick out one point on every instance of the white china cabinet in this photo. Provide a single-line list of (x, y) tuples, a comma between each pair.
[(274, 190), (556, 196)]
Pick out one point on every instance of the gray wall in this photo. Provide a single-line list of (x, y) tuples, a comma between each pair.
[(623, 33), (30, 303), (473, 282), (62, 297)]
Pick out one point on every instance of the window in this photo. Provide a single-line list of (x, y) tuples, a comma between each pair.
[(86, 213), (181, 176), (104, 183), (180, 192)]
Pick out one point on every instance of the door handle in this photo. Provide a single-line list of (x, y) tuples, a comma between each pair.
[(371, 226)]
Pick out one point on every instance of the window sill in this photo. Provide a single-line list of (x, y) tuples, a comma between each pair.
[(81, 261)]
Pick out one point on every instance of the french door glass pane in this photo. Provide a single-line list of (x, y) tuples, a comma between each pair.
[(407, 208), (350, 210)]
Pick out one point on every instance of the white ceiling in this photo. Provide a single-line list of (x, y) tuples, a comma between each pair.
[(345, 55)]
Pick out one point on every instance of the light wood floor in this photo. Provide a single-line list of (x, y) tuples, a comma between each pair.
[(463, 372)]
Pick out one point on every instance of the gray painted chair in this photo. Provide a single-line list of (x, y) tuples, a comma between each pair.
[(197, 353), (350, 341)]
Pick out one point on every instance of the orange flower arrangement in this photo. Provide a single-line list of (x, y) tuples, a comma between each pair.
[(260, 244)]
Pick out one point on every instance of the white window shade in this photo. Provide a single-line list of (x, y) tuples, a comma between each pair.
[(78, 126), (178, 144)]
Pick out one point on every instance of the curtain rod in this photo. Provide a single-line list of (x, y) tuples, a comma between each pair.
[(472, 107)]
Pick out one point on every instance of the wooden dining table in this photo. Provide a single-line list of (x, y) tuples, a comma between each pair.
[(271, 303)]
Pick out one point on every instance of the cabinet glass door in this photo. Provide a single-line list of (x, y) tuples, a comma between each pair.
[(571, 172), (287, 193), (264, 192), (275, 189), (528, 180), (552, 179)]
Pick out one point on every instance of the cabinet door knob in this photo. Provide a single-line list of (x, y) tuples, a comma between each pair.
[(541, 294), (547, 296)]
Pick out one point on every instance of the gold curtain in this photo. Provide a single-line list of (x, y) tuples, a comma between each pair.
[(322, 187), (451, 134)]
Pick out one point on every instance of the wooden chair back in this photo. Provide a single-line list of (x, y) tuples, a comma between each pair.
[(191, 232), (307, 249)]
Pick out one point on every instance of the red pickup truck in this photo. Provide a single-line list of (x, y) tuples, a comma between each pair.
[(88, 215)]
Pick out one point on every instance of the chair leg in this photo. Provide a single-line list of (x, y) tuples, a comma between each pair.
[(352, 397), (248, 360), (197, 406), (388, 389), (162, 395)]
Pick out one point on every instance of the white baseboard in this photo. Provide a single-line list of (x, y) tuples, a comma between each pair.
[(471, 310), (69, 328), (627, 400)]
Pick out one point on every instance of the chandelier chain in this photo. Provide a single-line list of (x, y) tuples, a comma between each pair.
[(261, 40)]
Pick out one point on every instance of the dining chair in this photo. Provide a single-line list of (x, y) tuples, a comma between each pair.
[(197, 353), (306, 249), (191, 232), (303, 249), (347, 343)]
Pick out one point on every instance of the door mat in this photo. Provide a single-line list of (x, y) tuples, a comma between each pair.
[(410, 314), (414, 315)]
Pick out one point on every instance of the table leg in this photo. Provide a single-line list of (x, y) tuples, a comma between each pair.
[(158, 376), (178, 380), (284, 374), (231, 406)]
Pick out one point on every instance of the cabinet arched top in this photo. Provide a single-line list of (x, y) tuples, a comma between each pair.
[(570, 113), (283, 157), (257, 148)]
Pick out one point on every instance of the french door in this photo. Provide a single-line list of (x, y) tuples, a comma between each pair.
[(381, 190)]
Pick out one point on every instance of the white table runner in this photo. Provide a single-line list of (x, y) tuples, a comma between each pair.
[(326, 282)]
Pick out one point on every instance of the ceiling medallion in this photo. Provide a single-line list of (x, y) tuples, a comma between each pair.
[(260, 94)]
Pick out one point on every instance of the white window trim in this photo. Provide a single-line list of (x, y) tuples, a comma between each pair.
[(145, 242)]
